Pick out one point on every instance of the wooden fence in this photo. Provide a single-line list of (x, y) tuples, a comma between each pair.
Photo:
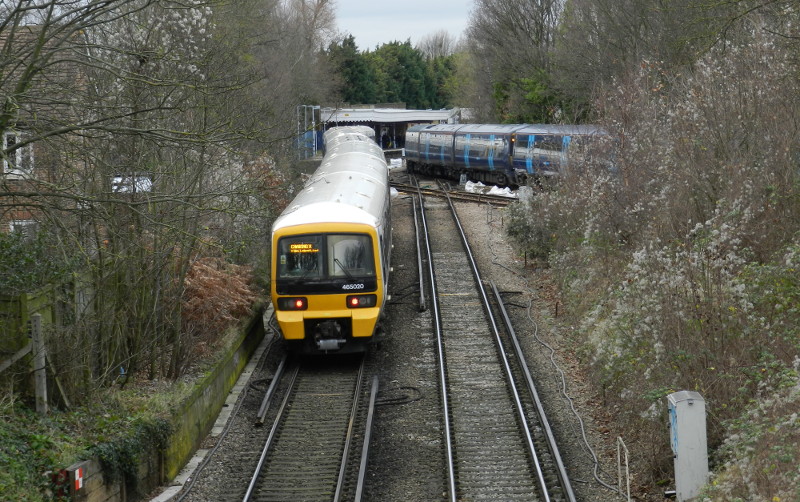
[(38, 362), (23, 319)]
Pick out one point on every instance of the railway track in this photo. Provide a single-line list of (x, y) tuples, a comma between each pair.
[(441, 191), (407, 460), (498, 444), (318, 442)]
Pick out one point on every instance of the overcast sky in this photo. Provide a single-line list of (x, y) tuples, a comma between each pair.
[(375, 22)]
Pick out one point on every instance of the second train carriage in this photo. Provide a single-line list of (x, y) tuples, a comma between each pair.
[(331, 249), (502, 154)]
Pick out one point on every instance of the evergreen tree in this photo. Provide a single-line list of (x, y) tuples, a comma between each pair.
[(405, 71), (358, 79), (393, 73)]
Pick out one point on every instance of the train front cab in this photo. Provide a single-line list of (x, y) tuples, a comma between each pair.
[(329, 287), (544, 152)]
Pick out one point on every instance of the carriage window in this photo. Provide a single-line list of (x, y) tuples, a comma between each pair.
[(481, 145), (350, 256), (553, 143), (300, 256)]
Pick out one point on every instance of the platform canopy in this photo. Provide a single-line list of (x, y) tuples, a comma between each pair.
[(388, 115)]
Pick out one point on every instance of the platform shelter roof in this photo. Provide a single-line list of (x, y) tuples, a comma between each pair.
[(388, 115)]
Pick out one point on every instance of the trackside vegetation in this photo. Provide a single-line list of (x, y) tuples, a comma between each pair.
[(148, 145), (680, 265)]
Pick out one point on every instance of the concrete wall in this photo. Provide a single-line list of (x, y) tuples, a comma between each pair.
[(198, 413), (192, 421)]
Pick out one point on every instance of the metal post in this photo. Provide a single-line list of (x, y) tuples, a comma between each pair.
[(622, 448), (314, 128), (39, 364)]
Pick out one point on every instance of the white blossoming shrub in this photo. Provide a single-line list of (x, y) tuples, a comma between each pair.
[(165, 41), (679, 264), (762, 452)]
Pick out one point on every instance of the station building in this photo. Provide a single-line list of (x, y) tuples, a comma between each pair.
[(389, 121)]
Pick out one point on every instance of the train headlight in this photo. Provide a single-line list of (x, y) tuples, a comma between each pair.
[(292, 303), (361, 301)]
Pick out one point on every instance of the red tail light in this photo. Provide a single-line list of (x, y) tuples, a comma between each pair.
[(361, 301), (292, 303)]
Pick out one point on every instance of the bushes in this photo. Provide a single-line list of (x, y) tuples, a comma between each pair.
[(120, 456), (688, 251), (216, 295), (28, 263), (762, 452), (25, 454)]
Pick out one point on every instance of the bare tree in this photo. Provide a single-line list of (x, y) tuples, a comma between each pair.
[(141, 130), (315, 19), (437, 44), (510, 41), (514, 34), (601, 39)]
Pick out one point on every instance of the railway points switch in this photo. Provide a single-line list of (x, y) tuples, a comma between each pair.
[(687, 425)]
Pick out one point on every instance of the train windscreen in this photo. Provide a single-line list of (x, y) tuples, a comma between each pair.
[(325, 256)]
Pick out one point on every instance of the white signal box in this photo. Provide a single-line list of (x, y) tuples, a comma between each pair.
[(687, 426)]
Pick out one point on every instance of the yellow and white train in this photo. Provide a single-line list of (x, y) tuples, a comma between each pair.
[(331, 249)]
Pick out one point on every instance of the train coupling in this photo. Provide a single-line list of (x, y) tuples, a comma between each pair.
[(327, 335), (326, 344)]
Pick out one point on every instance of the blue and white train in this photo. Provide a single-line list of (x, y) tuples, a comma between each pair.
[(501, 154)]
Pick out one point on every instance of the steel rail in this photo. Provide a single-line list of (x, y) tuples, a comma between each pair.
[(451, 481), (465, 196), (551, 441), (501, 353), (422, 306), (271, 437), (362, 471), (349, 436), (279, 418), (262, 411)]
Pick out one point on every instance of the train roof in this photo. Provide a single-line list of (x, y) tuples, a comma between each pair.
[(350, 186), (509, 129), (489, 128), (418, 127), (569, 129), (337, 132)]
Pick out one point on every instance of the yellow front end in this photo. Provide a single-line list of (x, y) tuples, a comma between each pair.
[(328, 306), (292, 323)]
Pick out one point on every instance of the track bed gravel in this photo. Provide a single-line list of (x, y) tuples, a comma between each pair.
[(406, 461)]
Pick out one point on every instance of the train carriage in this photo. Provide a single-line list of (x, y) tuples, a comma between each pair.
[(431, 147), (482, 151), (502, 154), (543, 150), (331, 249), (485, 149)]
